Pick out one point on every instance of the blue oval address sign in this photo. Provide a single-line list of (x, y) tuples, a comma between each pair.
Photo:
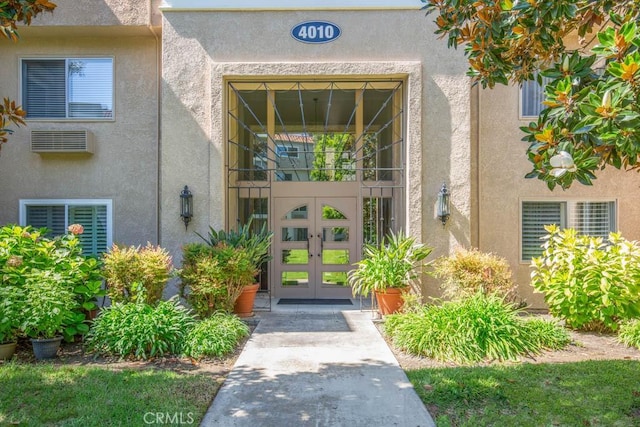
[(316, 32)]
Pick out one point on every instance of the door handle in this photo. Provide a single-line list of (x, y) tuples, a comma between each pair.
[(309, 245), (321, 244)]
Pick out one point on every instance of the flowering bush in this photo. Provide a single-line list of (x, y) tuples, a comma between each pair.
[(31, 263)]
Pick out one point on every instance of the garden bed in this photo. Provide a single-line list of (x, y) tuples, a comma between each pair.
[(585, 346)]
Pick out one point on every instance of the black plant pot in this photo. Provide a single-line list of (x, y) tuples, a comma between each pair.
[(46, 348)]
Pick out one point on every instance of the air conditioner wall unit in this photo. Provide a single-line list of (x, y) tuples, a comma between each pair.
[(62, 141)]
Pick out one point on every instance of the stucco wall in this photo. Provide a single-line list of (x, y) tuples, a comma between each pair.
[(124, 166), (502, 166), (101, 13), (200, 48)]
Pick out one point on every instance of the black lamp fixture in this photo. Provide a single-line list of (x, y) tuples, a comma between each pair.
[(186, 206), (443, 204)]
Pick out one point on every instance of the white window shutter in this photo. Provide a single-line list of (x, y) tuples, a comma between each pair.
[(535, 215)]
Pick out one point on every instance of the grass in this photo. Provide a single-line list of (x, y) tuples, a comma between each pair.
[(591, 393), (93, 396)]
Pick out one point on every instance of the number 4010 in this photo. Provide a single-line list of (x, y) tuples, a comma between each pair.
[(316, 32)]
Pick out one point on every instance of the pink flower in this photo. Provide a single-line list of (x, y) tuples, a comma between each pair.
[(76, 229)]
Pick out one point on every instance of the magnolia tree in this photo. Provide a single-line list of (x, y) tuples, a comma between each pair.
[(13, 12), (591, 117)]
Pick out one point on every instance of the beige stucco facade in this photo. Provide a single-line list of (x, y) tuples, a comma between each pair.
[(172, 63)]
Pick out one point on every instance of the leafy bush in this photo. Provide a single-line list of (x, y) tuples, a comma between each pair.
[(256, 242), (28, 257), (140, 330), (469, 330), (467, 272), (124, 266), (215, 336), (213, 276), (629, 333), (590, 283)]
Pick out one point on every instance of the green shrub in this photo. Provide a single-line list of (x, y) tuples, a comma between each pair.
[(215, 336), (629, 333), (140, 330), (213, 276), (36, 271), (467, 272), (470, 330), (124, 266), (591, 283)]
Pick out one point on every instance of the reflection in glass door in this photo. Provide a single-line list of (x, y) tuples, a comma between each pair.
[(315, 245)]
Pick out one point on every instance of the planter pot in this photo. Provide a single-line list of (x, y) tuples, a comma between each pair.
[(46, 348), (243, 306), (7, 350), (390, 301)]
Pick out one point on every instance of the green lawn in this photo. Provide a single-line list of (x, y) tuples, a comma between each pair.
[(47, 394), (592, 393)]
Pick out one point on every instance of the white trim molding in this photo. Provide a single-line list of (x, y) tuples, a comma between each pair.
[(237, 5)]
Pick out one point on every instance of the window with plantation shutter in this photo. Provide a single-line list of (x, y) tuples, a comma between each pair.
[(56, 215), (531, 97), (535, 215), (71, 88), (593, 218), (94, 221), (50, 217), (587, 218)]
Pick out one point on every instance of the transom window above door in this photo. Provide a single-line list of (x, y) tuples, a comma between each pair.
[(313, 131), (68, 88)]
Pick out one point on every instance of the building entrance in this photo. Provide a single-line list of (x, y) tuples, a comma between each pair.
[(321, 163)]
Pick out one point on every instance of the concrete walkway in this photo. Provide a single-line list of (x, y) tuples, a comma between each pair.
[(316, 366)]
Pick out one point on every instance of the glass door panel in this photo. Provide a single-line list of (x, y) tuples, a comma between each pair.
[(315, 250)]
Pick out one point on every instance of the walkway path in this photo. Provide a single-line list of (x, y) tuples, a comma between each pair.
[(316, 366)]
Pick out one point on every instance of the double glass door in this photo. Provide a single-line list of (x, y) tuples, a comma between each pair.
[(315, 246)]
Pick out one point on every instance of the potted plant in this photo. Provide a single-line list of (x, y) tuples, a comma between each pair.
[(49, 304), (8, 330), (256, 244), (10, 307), (214, 276), (388, 269)]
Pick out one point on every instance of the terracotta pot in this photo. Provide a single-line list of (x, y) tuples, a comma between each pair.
[(244, 304), (46, 348), (390, 300), (7, 350)]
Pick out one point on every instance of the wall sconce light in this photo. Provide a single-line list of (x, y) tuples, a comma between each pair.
[(186, 206), (443, 211)]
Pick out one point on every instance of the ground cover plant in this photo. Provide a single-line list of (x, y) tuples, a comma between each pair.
[(629, 333), (141, 330), (471, 330), (97, 396), (589, 393), (215, 336)]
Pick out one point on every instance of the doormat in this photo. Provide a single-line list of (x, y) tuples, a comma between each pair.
[(310, 301)]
